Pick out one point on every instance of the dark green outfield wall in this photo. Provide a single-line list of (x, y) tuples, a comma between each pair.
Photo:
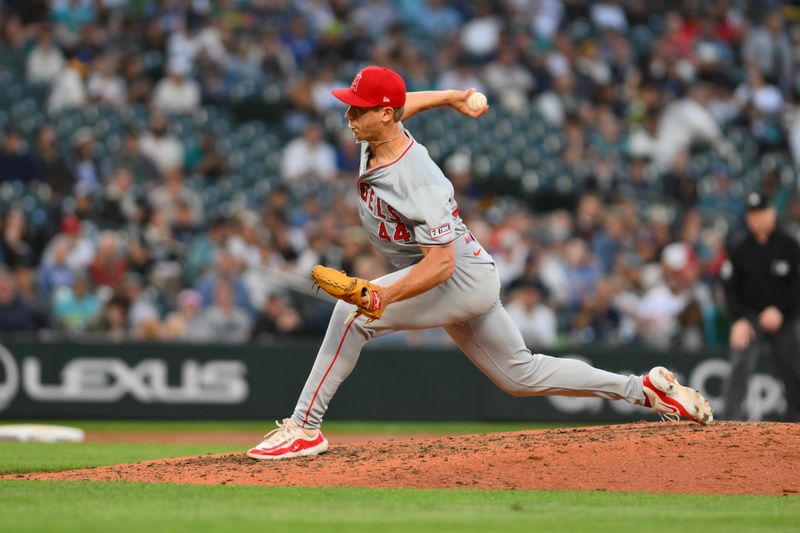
[(43, 380)]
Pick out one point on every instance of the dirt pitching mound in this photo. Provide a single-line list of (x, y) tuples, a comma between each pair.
[(725, 458)]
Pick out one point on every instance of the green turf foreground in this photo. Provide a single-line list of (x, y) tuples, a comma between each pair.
[(84, 506)]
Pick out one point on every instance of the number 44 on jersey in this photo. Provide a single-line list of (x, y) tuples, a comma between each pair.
[(400, 232)]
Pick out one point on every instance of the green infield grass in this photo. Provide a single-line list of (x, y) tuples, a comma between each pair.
[(24, 457), (84, 506)]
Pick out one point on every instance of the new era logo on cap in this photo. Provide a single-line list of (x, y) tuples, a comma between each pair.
[(374, 87)]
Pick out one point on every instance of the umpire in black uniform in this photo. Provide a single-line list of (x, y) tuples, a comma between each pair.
[(762, 289)]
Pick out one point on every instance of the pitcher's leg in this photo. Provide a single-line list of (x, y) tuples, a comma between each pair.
[(494, 344), (335, 360)]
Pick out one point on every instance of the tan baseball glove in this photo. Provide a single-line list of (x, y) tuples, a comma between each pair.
[(362, 293)]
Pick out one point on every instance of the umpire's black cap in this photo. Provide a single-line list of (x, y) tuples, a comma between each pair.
[(756, 201)]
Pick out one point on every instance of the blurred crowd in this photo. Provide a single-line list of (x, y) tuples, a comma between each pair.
[(128, 248)]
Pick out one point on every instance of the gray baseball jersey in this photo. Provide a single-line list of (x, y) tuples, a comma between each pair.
[(409, 203)]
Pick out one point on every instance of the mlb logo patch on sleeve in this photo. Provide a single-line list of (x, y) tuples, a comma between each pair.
[(441, 231)]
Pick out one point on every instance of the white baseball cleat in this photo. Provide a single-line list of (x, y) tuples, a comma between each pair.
[(664, 395), (289, 440)]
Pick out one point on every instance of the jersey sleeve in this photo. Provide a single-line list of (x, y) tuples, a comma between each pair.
[(429, 209)]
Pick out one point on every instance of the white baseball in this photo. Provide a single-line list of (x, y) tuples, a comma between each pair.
[(476, 101)]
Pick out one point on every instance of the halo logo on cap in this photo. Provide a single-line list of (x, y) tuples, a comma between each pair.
[(356, 80)]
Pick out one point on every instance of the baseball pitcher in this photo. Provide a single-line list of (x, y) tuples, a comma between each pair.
[(445, 278)]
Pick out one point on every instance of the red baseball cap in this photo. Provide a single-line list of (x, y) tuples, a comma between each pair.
[(374, 87)]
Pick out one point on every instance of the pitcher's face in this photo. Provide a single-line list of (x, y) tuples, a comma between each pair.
[(366, 123)]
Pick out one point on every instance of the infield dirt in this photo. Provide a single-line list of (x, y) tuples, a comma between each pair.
[(724, 458)]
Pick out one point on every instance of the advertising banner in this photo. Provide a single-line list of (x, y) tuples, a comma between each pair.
[(166, 381)]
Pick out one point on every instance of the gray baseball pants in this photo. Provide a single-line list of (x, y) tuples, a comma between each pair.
[(468, 307)]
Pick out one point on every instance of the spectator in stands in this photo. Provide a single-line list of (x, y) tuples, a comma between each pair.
[(308, 158), (15, 314), (119, 205), (113, 321), (142, 167), (685, 123), (143, 314), (105, 86), (665, 304), (348, 155), (137, 82), (767, 47), (200, 254), (458, 169), (678, 182), (16, 162), (76, 307), (186, 323), (581, 271), (608, 15), (68, 90), (612, 240), (173, 193), (14, 241), (227, 270), (244, 244), (177, 92), (480, 36), (55, 271), (159, 239), (45, 60), (80, 246), (277, 318), (13, 43), (535, 319), (211, 164), (25, 279), (109, 266), (51, 167), (376, 16), (460, 76), (89, 169), (440, 20), (185, 227), (324, 82), (72, 16), (762, 104), (161, 148), (298, 40), (556, 103), (510, 255), (509, 80), (223, 320), (269, 276)]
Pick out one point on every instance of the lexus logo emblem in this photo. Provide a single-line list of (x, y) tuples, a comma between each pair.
[(10, 376)]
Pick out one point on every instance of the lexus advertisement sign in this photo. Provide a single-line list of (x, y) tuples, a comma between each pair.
[(150, 381)]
